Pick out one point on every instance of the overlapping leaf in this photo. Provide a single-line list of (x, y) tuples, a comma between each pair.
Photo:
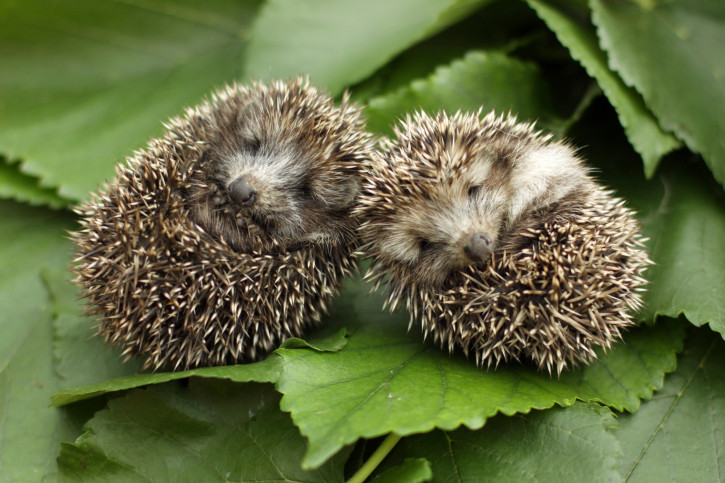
[(83, 86), (481, 80), (411, 470), (30, 238), (385, 380), (19, 186), (571, 444), (206, 431), (672, 52), (642, 129), (496, 26), (678, 435), (686, 223), (291, 37)]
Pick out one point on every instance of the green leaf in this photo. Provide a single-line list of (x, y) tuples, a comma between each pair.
[(411, 470), (678, 435), (83, 86), (30, 239), (571, 444), (206, 431), (18, 186), (577, 34), (78, 368), (321, 341), (488, 80), (683, 213), (80, 358), (501, 26), (385, 380), (685, 220), (342, 42), (671, 52), (263, 371)]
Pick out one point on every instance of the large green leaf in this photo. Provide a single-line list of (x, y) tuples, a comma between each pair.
[(571, 444), (685, 219), (385, 380), (672, 52), (488, 80), (83, 86), (678, 435), (19, 186), (339, 42), (206, 431), (576, 33), (30, 238)]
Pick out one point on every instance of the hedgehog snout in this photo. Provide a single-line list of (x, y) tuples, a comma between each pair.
[(479, 247), (241, 192)]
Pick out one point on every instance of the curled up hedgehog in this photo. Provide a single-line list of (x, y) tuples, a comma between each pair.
[(499, 241), (230, 232)]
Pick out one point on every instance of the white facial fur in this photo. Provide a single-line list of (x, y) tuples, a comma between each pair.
[(273, 175)]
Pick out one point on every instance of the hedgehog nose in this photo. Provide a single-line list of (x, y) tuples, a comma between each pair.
[(479, 247), (241, 193)]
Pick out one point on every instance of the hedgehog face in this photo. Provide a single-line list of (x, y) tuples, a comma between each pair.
[(282, 189), (445, 195), (444, 222), (287, 164)]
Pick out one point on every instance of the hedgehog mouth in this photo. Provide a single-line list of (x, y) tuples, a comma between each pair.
[(267, 224)]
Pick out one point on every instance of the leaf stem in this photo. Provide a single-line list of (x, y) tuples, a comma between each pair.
[(375, 459)]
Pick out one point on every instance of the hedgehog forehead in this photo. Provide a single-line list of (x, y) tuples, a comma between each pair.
[(449, 171), (275, 169), (299, 114), (438, 152), (274, 148)]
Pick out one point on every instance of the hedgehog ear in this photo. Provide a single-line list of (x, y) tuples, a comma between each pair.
[(545, 174), (337, 195)]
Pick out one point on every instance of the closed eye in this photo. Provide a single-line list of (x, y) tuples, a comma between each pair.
[(305, 190), (425, 245), (253, 145), (474, 191)]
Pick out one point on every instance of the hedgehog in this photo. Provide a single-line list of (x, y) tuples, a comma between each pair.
[(499, 241), (230, 232)]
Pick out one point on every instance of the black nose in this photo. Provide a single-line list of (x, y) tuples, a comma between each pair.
[(479, 247), (241, 193)]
